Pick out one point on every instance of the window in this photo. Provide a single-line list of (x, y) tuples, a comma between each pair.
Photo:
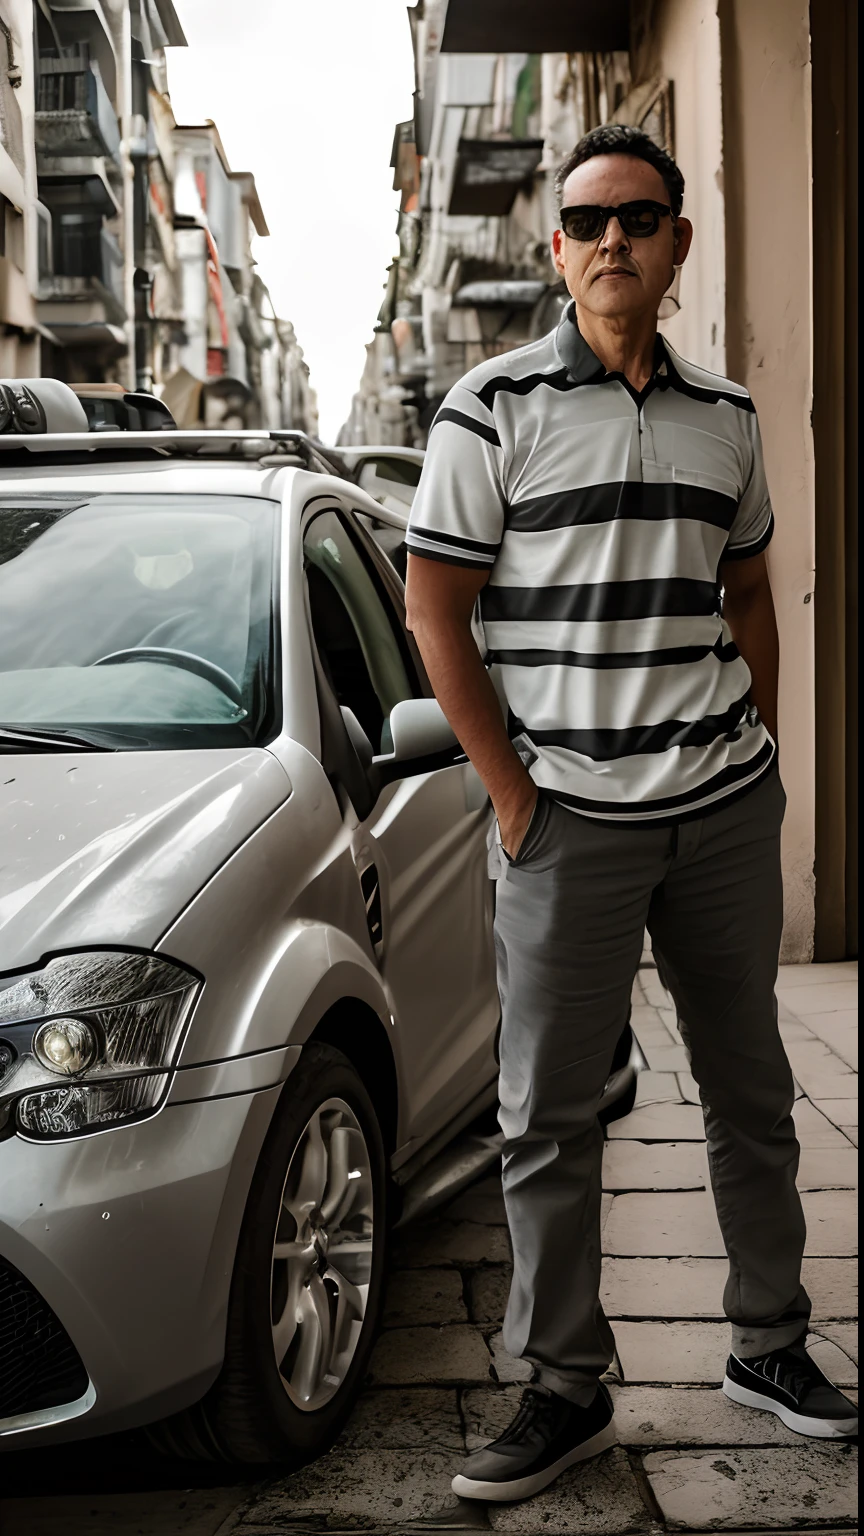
[(354, 629), (177, 590)]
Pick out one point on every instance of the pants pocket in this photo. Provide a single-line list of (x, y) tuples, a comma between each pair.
[(533, 839)]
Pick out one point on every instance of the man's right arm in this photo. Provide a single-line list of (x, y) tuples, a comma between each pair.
[(440, 601)]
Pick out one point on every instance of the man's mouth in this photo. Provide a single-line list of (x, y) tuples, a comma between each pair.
[(614, 272)]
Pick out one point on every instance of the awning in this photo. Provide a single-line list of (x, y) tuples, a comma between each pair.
[(510, 293), (536, 26), (489, 173)]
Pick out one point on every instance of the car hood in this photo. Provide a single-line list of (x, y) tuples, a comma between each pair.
[(108, 848)]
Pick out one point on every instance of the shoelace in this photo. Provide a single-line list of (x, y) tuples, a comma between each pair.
[(791, 1373), (535, 1405)]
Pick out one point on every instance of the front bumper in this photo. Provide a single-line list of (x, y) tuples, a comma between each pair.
[(130, 1238)]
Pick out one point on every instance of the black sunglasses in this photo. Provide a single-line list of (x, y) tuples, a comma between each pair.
[(587, 221)]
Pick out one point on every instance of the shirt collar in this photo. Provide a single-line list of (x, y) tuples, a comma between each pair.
[(583, 365)]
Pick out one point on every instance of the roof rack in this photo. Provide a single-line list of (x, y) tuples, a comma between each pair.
[(277, 446)]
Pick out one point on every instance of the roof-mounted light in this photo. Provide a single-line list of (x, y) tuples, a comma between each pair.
[(32, 406)]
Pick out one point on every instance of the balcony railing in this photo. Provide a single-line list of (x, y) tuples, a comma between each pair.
[(74, 115), (87, 263)]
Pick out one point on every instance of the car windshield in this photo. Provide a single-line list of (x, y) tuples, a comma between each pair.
[(137, 621)]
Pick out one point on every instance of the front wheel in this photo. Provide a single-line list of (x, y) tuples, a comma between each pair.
[(307, 1289)]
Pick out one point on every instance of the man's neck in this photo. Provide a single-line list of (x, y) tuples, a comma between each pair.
[(622, 346)]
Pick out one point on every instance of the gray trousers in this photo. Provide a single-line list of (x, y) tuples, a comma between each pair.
[(572, 910)]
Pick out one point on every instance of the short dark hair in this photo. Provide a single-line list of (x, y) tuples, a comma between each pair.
[(621, 139)]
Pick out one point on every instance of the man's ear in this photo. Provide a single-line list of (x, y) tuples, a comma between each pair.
[(682, 234), (557, 249)]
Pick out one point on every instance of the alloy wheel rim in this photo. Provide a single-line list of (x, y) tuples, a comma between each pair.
[(322, 1256)]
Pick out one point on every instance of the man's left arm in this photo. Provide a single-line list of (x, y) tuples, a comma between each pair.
[(748, 609)]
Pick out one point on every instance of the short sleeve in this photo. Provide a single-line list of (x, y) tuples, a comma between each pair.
[(458, 511), (753, 524)]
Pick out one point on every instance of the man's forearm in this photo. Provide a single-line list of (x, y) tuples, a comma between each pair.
[(753, 624), (467, 696)]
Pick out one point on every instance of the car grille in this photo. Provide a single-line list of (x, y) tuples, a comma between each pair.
[(39, 1365)]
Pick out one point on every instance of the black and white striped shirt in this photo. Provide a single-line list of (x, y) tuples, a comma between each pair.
[(603, 516)]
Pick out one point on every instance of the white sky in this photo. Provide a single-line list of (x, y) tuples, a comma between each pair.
[(306, 94)]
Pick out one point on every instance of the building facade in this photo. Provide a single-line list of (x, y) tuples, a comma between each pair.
[(125, 246), (758, 103)]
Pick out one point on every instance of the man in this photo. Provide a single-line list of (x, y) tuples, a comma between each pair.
[(597, 494)]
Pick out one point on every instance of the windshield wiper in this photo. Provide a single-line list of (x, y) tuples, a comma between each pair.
[(29, 740)]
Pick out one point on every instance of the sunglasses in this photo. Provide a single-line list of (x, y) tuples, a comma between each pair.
[(587, 221)]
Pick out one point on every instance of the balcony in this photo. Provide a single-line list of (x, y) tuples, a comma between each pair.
[(81, 292), (490, 172), (74, 115)]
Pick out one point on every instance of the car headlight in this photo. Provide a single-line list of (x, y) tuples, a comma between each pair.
[(89, 1041)]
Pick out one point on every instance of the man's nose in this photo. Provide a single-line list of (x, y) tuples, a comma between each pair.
[(614, 238)]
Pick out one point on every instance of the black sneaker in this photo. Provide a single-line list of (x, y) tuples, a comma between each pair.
[(787, 1382), (548, 1434)]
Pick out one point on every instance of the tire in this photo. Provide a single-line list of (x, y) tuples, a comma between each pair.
[(264, 1410)]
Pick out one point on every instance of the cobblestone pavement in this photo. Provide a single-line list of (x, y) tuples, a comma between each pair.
[(440, 1382)]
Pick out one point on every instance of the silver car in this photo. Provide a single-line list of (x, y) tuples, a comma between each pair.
[(246, 970)]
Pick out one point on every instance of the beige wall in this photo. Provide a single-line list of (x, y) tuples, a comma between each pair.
[(767, 173), (686, 37), (741, 78)]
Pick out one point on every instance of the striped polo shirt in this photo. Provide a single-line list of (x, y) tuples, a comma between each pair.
[(603, 516)]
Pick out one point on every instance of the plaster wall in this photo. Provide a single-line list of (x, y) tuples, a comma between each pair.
[(741, 82), (686, 43), (766, 92)]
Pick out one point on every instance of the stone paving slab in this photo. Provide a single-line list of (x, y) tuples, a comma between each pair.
[(437, 1242), (682, 1416), (353, 1489), (425, 1356), (832, 1227), (598, 1498), (813, 1129), (773, 1488), (693, 1288), (833, 996), (660, 1122), (488, 1289), (689, 1088), (824, 1168), (672, 1351), (672, 1058), (424, 1296), (667, 1224), (816, 975), (661, 1287), (844, 1335), (682, 1352), (663, 1224), (841, 1112), (839, 1031), (629, 1165), (418, 1419), (657, 1088)]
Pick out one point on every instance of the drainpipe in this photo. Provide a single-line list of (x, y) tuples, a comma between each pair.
[(124, 102)]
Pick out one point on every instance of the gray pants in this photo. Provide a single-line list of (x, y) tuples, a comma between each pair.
[(572, 910)]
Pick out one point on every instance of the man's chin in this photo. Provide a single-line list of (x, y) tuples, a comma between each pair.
[(614, 301)]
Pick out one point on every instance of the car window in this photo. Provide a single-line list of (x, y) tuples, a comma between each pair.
[(148, 618), (354, 629)]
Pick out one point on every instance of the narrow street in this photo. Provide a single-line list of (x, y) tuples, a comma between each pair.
[(688, 1460)]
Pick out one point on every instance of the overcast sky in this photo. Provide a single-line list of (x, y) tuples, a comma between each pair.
[(306, 94)]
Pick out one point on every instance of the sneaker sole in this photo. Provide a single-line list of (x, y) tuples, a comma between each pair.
[(525, 1487), (817, 1429)]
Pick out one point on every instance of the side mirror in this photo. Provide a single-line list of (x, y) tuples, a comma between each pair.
[(422, 740)]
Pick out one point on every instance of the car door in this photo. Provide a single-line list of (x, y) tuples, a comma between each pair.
[(420, 849)]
